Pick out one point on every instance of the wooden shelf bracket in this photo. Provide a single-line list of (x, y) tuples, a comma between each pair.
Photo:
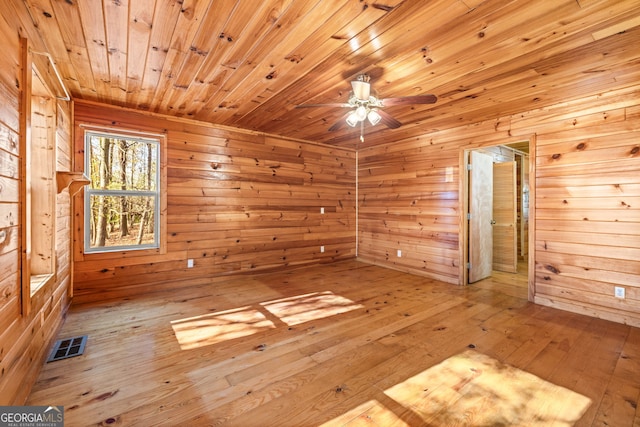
[(72, 180)]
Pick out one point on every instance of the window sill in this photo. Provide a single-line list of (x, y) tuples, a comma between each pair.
[(39, 281)]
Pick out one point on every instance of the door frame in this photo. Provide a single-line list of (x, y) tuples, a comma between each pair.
[(463, 203)]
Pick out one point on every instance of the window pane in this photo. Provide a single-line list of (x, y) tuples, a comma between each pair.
[(121, 221), (121, 163)]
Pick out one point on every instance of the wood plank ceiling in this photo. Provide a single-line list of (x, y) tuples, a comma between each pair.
[(248, 63)]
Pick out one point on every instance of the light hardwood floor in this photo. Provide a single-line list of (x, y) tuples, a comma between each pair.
[(338, 344)]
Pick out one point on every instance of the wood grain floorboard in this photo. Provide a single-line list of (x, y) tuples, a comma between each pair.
[(369, 329)]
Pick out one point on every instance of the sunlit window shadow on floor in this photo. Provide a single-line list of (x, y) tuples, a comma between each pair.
[(471, 389), (212, 328), (304, 308)]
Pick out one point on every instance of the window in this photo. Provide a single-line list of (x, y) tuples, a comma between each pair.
[(37, 153), (122, 204), (40, 197)]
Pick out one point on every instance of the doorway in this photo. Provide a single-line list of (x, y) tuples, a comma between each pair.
[(496, 214)]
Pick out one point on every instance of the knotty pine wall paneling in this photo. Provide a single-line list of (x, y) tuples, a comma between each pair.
[(237, 202), (408, 195), (25, 339), (586, 206)]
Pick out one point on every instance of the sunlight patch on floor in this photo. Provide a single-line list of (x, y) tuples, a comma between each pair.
[(213, 328), (471, 389), (371, 413), (314, 306)]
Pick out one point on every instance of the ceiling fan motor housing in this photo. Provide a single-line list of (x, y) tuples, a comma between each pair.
[(361, 87)]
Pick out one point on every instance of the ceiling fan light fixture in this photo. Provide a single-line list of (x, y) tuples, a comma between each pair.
[(374, 117), (361, 113), (352, 119)]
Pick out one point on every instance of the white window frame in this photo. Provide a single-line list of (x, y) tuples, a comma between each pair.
[(155, 194)]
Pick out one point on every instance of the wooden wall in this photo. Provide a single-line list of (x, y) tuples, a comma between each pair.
[(408, 201), (237, 202), (587, 202), (25, 340)]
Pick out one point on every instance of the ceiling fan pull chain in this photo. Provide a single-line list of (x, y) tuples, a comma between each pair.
[(362, 131)]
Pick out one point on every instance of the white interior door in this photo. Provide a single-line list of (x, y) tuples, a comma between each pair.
[(505, 236), (480, 216)]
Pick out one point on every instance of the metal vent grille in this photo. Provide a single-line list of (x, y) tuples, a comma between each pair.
[(68, 347)]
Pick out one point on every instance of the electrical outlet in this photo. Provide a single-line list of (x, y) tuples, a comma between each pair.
[(189, 263), (399, 253), (618, 291), (321, 249), (321, 211)]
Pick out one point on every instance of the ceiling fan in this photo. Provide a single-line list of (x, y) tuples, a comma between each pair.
[(366, 106)]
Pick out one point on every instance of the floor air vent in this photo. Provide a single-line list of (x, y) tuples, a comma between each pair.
[(68, 347)]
